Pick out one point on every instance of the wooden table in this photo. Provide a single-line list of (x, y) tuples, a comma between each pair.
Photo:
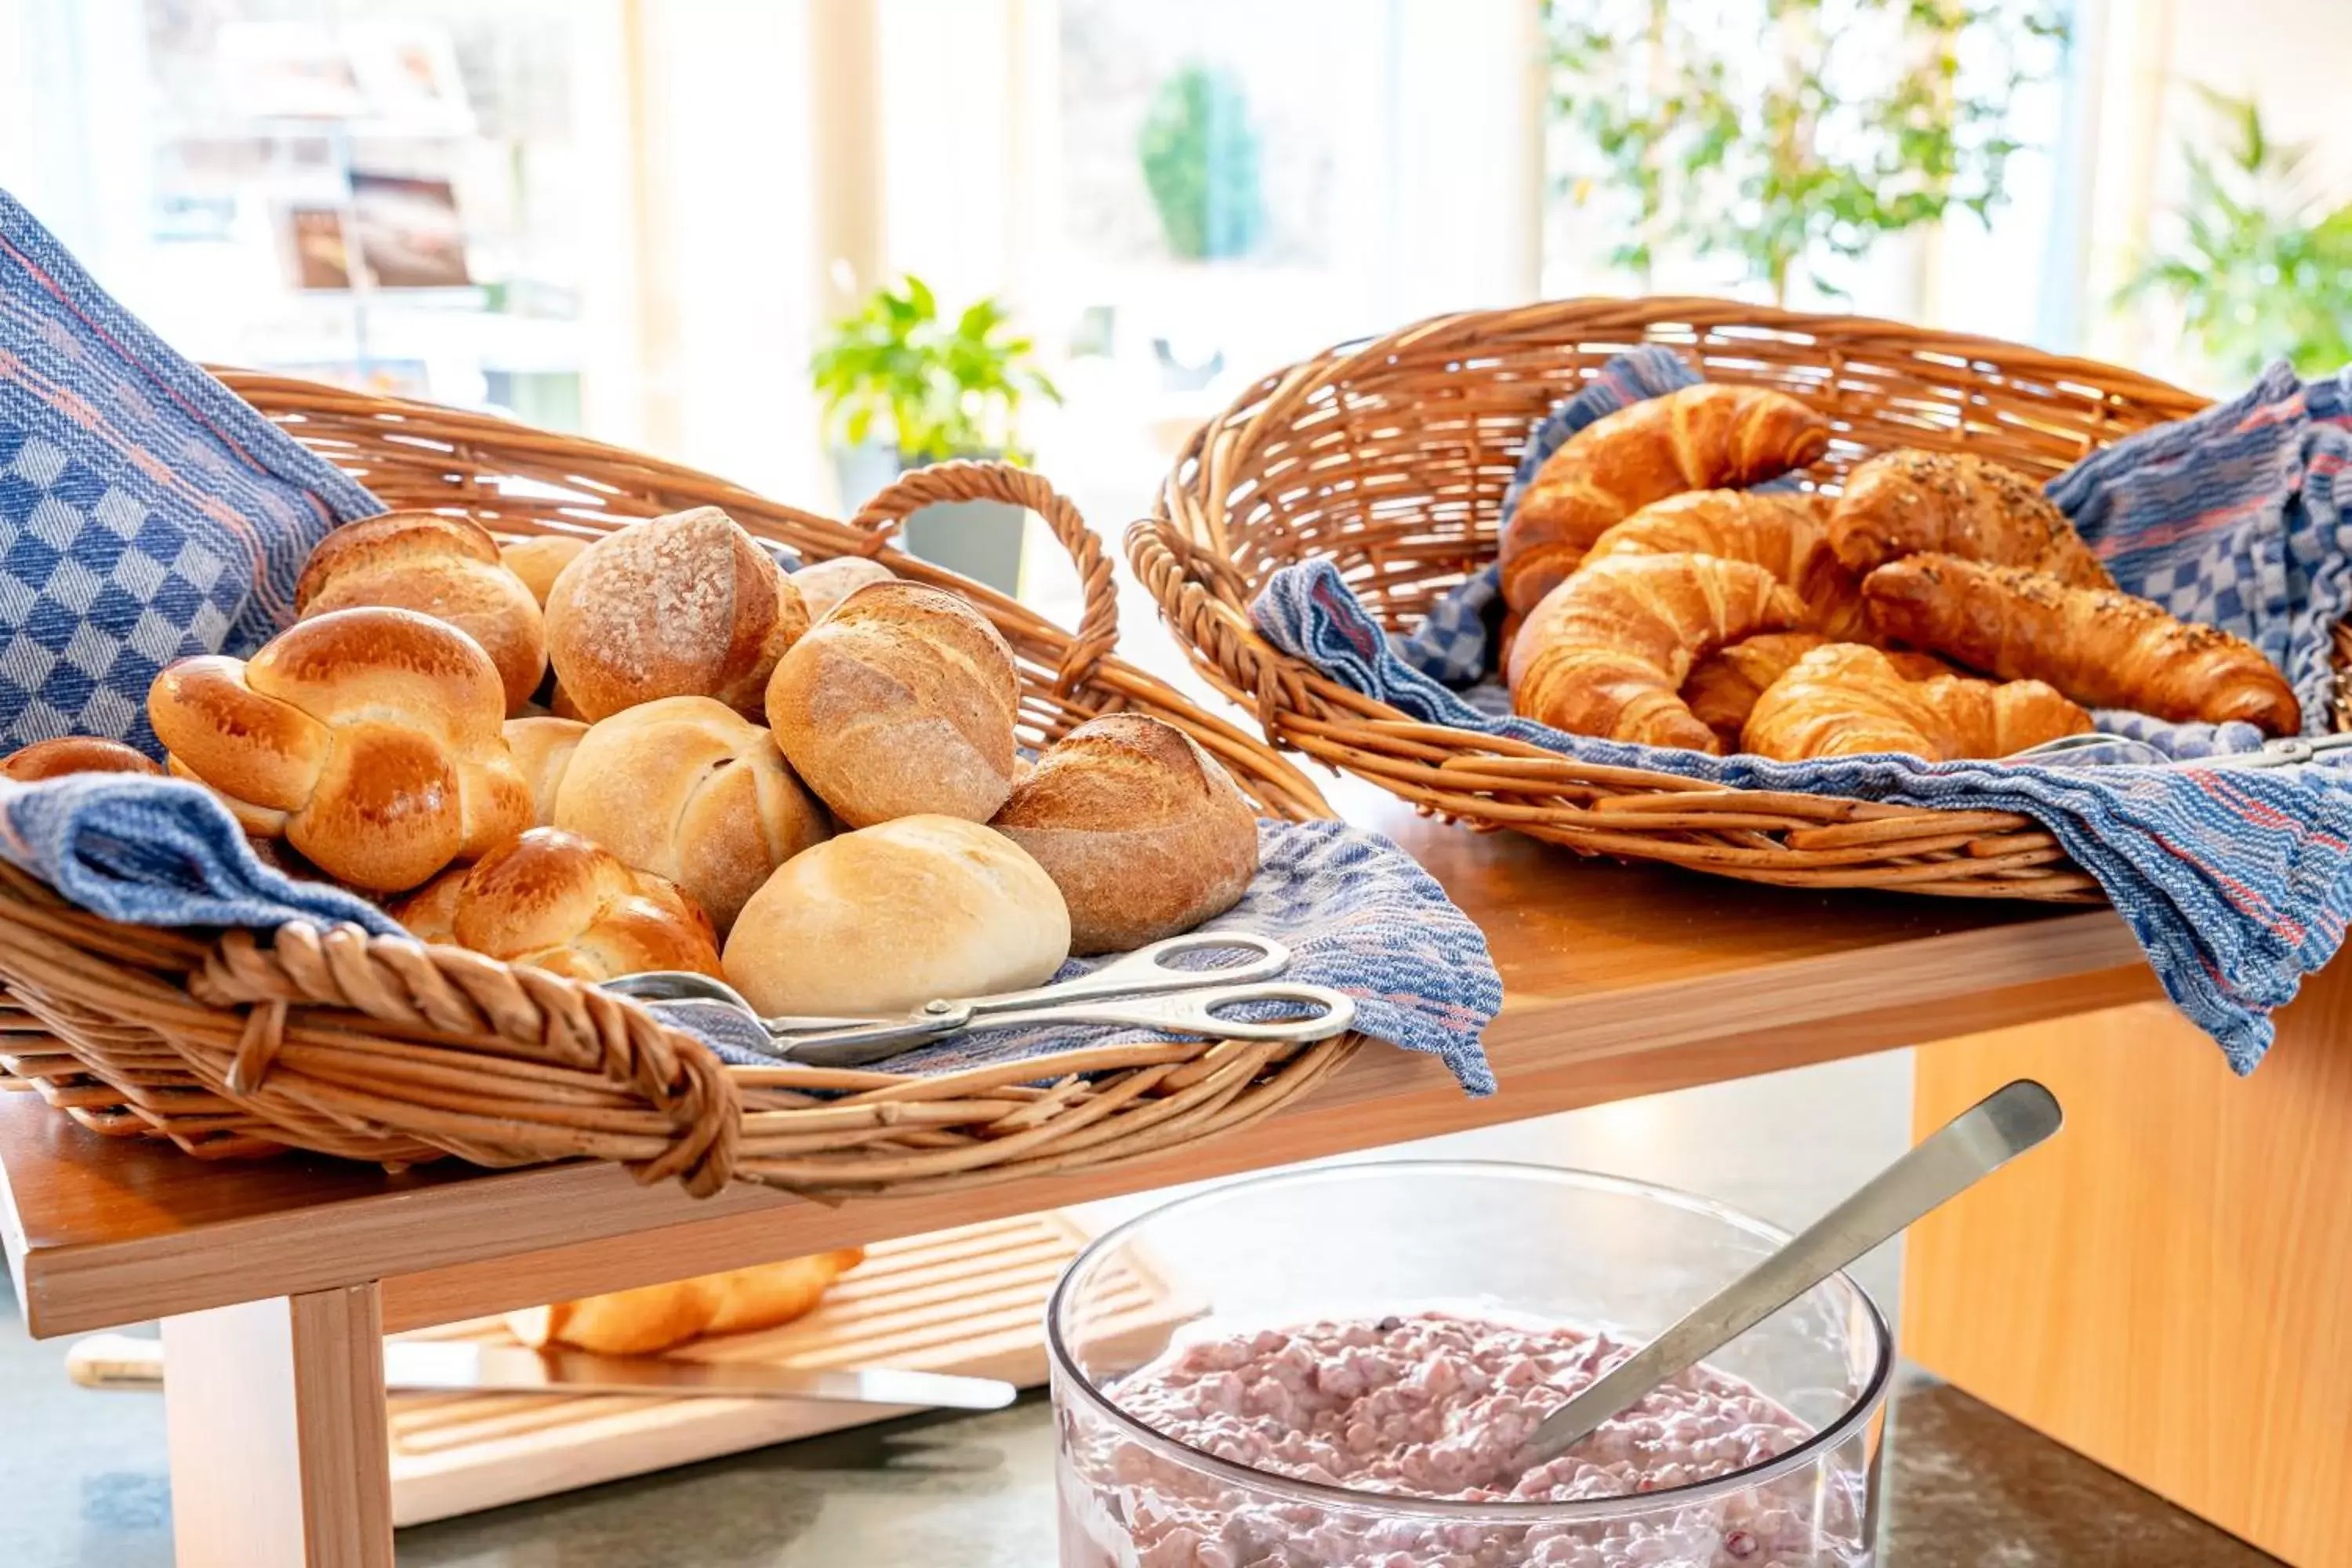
[(276, 1279)]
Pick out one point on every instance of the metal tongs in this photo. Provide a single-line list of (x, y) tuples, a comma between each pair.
[(2278, 754), (1139, 988)]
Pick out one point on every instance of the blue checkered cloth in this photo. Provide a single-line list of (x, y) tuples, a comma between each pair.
[(146, 512), (2237, 882), (1356, 912)]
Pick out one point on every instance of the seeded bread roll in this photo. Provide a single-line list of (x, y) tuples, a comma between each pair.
[(555, 902), (825, 583), (686, 605), (900, 703), (543, 747), (1146, 835), (539, 559), (73, 754), (688, 789), (885, 919), (446, 567)]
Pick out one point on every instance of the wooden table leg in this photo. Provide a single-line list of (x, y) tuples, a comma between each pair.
[(2165, 1286), (277, 1428)]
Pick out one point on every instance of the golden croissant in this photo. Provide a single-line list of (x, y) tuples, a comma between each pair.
[(2097, 645), (1701, 437), (1606, 652), (1785, 533), (1846, 699), (1724, 685), (1909, 503)]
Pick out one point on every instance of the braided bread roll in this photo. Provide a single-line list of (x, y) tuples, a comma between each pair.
[(684, 605), (2099, 646), (1702, 437), (692, 790), (367, 739), (1724, 685), (446, 567), (558, 902), (1907, 502), (1846, 699), (1785, 534), (1607, 651)]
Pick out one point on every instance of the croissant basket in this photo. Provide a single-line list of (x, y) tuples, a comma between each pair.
[(1390, 457), (238, 1043)]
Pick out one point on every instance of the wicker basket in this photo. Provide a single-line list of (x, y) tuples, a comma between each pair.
[(390, 1051), (1389, 458)]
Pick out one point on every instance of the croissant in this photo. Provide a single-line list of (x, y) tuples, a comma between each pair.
[(2099, 646), (1907, 502), (1724, 685), (1606, 652), (1846, 699), (1701, 437), (1784, 534)]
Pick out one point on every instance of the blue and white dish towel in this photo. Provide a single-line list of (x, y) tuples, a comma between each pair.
[(2237, 882)]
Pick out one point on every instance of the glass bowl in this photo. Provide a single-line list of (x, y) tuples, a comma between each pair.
[(1525, 1245)]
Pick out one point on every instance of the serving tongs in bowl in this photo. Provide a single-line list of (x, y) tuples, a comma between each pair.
[(1142, 988)]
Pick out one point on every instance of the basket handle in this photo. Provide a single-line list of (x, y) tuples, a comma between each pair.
[(1098, 629), (1205, 600)]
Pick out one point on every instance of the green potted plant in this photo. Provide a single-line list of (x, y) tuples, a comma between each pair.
[(2260, 267), (903, 386)]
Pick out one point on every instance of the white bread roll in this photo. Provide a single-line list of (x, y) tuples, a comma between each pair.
[(1146, 835), (543, 747), (887, 917), (824, 583), (687, 605), (539, 559), (446, 567), (688, 789), (902, 702)]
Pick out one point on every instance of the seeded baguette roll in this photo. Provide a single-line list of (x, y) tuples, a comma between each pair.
[(1145, 834), (900, 703)]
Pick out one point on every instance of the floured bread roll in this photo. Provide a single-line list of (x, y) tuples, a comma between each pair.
[(688, 789), (885, 919), (555, 902), (1146, 835), (825, 583), (446, 567), (902, 702), (686, 605), (539, 559)]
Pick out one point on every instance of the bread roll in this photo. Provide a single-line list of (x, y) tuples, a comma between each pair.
[(446, 567), (902, 702), (555, 902), (1145, 834), (655, 1318), (543, 747), (73, 754), (688, 789), (885, 919), (686, 605), (539, 558), (825, 583), (368, 739)]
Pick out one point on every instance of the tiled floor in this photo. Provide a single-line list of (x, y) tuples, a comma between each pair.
[(83, 1473)]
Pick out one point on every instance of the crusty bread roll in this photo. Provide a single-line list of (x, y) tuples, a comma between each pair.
[(655, 1318), (368, 739), (885, 919), (554, 900), (902, 702), (686, 605), (1146, 835), (539, 559), (73, 754), (541, 747), (689, 789), (446, 567), (824, 583)]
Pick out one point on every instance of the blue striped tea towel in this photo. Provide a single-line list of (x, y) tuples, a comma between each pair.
[(146, 511), (1356, 912), (2236, 882)]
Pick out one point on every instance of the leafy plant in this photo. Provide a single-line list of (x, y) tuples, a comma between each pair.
[(1777, 130), (2263, 265), (1199, 156), (896, 370)]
